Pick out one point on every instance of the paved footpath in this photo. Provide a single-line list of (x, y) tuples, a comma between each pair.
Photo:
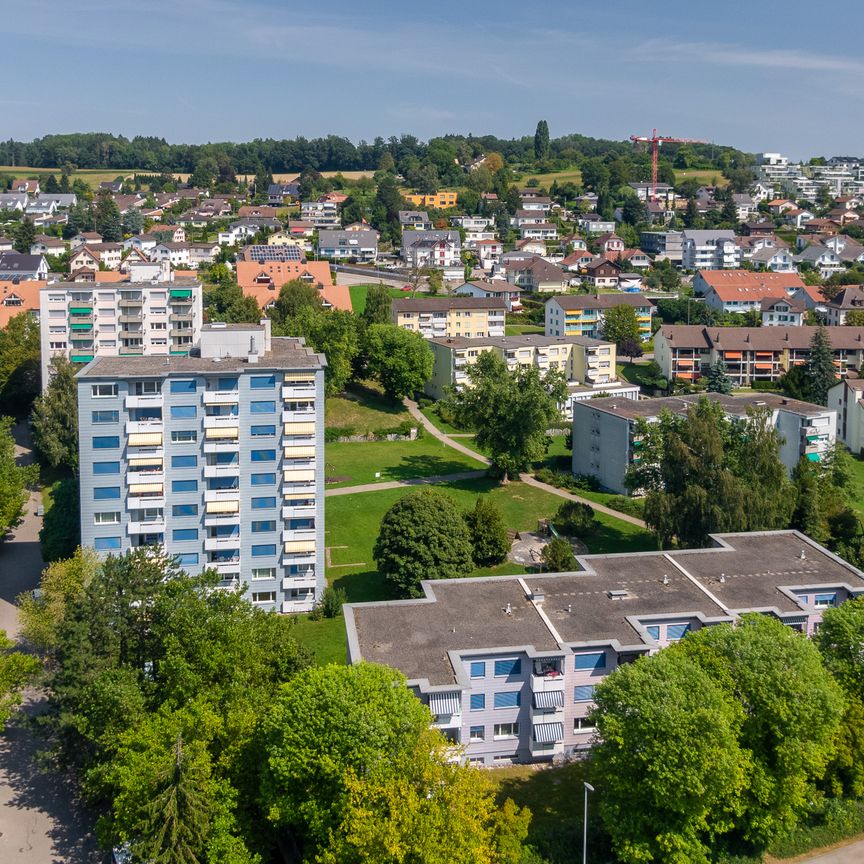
[(528, 479), (39, 821), (851, 854), (398, 484)]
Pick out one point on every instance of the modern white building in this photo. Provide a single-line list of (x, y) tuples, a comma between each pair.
[(218, 458), (710, 250)]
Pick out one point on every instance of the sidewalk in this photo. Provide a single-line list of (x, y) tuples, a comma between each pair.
[(853, 853), (398, 484)]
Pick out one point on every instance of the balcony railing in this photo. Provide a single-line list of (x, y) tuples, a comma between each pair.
[(221, 494), (221, 421), (308, 580), (220, 397), (133, 426)]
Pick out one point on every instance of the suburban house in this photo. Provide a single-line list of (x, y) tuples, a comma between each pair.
[(847, 399), (433, 200), (43, 245), (742, 290), (601, 273), (777, 260), (439, 249), (606, 441), (582, 315), (850, 299), (821, 258), (709, 250), (348, 245), (594, 223), (539, 231), (489, 252), (202, 253), (176, 254), (25, 187), (17, 266), (508, 665), (279, 194), (610, 243), (414, 220), (263, 280), (17, 297), (536, 276), (509, 293), (470, 317), (13, 201), (169, 233), (783, 312), (686, 352)]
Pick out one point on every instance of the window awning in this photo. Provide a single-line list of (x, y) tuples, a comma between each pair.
[(223, 506), (549, 699), (156, 461), (548, 733), (181, 294), (298, 376), (813, 457), (227, 432), (445, 703), (812, 437), (299, 452), (145, 439), (299, 428), (295, 474), (145, 489), (299, 545)]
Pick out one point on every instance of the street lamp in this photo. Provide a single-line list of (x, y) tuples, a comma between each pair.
[(588, 788)]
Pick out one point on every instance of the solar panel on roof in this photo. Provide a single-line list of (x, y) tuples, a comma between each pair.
[(273, 253)]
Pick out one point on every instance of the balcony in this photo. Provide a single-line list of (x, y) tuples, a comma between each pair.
[(131, 319), (134, 426), (289, 535), (298, 416), (223, 445), (232, 470), (133, 476), (177, 332), (151, 400), (301, 581), (298, 392), (157, 527), (297, 559), (291, 606), (131, 350), (130, 303), (221, 495), (222, 421), (298, 489), (220, 397), (180, 317), (225, 567), (147, 499), (305, 512), (222, 544)]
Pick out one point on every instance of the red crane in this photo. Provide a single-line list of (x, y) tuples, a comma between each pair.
[(655, 141)]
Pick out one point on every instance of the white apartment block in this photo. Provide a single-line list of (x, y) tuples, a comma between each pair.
[(710, 250), (83, 320)]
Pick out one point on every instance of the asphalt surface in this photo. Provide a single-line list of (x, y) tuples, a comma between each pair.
[(40, 822)]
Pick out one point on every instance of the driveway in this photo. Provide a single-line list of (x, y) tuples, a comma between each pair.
[(39, 820)]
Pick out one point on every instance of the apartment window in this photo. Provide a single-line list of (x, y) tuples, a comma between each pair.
[(264, 526), (265, 431), (181, 534), (187, 559), (184, 436), (226, 384), (262, 382), (478, 669), (595, 660), (103, 391), (653, 630), (265, 503), (506, 730), (674, 632), (183, 412), (825, 600), (106, 493), (263, 596), (263, 455), (106, 442), (180, 510), (262, 479), (106, 467), (582, 724), (478, 701), (265, 550), (184, 486), (262, 407), (506, 668), (507, 699), (106, 544), (183, 386), (477, 733), (108, 517), (184, 461), (105, 417), (148, 388), (584, 693), (263, 573)]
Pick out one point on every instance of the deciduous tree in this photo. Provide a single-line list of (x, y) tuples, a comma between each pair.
[(488, 533), (558, 556), (55, 417), (378, 302), (14, 480), (399, 359), (620, 325)]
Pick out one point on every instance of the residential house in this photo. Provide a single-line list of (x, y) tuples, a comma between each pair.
[(43, 245), (169, 233), (850, 299), (818, 257), (582, 315), (17, 297), (536, 276), (267, 252), (285, 238), (25, 187), (84, 258), (662, 192), (280, 194), (414, 220), (758, 229), (260, 210), (745, 206), (6, 244), (593, 223), (86, 238), (610, 243), (322, 214), (489, 252), (37, 210), (629, 257), (13, 201), (537, 203), (530, 246), (779, 206), (509, 665), (601, 273), (607, 441), (348, 245), (577, 261), (777, 260), (783, 312), (470, 317), (543, 231), (433, 200), (244, 229), (510, 293), (263, 280), (439, 249), (176, 254), (17, 266), (142, 242), (709, 250), (202, 253)]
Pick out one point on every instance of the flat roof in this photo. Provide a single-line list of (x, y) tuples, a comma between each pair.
[(284, 353), (740, 572), (523, 340)]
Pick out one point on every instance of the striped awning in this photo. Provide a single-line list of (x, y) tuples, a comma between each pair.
[(223, 506), (299, 545), (227, 432), (306, 452), (447, 704), (295, 474), (145, 460), (299, 428), (299, 376), (548, 733), (145, 489), (145, 439), (549, 699)]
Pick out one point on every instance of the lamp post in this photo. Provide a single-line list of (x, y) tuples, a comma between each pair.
[(588, 788)]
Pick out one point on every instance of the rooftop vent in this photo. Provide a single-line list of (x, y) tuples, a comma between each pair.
[(621, 594), (722, 578), (538, 595), (508, 609), (665, 578), (802, 556)]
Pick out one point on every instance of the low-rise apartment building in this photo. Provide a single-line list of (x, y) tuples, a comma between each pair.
[(582, 314), (471, 317), (606, 441), (510, 294), (433, 200), (508, 665), (686, 351), (217, 458), (742, 291), (847, 399), (322, 214), (710, 250), (536, 275), (83, 320), (664, 244), (850, 299), (348, 245)]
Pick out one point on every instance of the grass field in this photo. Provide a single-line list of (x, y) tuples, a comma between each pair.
[(571, 175), (394, 460), (706, 176), (92, 176), (431, 414), (358, 296), (365, 409), (522, 329), (633, 373)]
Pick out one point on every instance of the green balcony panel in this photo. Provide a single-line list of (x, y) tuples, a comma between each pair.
[(181, 294)]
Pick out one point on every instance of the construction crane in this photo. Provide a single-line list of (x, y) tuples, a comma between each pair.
[(655, 141)]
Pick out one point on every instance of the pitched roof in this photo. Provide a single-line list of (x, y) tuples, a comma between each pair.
[(850, 297), (445, 304), (738, 280), (795, 305), (27, 292), (757, 338), (275, 274)]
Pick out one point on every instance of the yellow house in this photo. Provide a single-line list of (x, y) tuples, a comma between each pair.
[(283, 238), (434, 201), (468, 317)]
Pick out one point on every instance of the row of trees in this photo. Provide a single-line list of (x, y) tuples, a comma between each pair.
[(727, 740), (196, 723)]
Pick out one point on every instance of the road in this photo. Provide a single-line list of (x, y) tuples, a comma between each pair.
[(39, 819), (851, 854)]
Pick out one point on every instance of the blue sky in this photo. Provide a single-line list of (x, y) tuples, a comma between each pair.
[(759, 76)]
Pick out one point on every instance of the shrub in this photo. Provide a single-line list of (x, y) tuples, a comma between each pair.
[(575, 519), (488, 533), (558, 557), (331, 603)]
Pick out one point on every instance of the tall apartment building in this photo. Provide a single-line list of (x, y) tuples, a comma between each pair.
[(218, 457), (471, 317), (667, 244), (710, 250), (606, 441), (508, 665), (83, 320)]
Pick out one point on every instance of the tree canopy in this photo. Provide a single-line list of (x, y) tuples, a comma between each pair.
[(15, 480), (399, 359), (54, 419)]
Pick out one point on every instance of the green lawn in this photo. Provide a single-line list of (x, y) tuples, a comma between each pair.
[(571, 175), (705, 176), (358, 295), (365, 409), (326, 638), (431, 414), (634, 373), (394, 460), (522, 329), (857, 485)]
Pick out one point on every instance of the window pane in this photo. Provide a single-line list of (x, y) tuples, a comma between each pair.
[(265, 431), (261, 382), (184, 436), (478, 701), (259, 527), (263, 479), (187, 558), (183, 412), (263, 503), (184, 510), (263, 551), (106, 442), (507, 699), (505, 668), (106, 467), (105, 493), (478, 669), (263, 455), (183, 386), (103, 544), (584, 693), (184, 461), (262, 407), (184, 486), (591, 661), (106, 416)]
